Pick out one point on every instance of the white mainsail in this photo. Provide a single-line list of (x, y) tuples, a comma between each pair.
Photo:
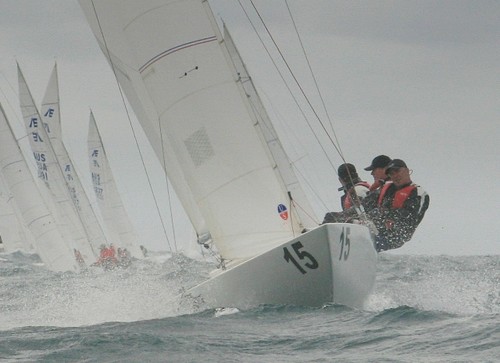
[(48, 170), (200, 112), (116, 221), (50, 244), (202, 126), (51, 117)]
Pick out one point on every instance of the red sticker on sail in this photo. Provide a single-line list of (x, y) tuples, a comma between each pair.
[(283, 211)]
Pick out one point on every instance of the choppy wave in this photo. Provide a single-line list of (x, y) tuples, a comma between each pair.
[(34, 296), (460, 285), (424, 308)]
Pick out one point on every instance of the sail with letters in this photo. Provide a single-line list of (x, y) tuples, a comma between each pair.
[(49, 171), (49, 241), (51, 117), (116, 220)]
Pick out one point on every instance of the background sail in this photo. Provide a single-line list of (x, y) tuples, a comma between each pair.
[(49, 172), (203, 118), (116, 221), (13, 231), (50, 244), (51, 117)]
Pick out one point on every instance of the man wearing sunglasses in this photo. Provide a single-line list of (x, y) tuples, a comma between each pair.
[(396, 209)]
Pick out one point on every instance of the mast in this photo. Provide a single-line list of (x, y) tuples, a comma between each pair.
[(284, 169)]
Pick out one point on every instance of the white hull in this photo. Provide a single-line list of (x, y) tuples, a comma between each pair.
[(336, 264)]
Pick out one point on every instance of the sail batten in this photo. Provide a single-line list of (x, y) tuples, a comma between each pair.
[(176, 48)]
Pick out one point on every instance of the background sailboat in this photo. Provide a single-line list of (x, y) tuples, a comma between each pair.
[(48, 170), (116, 220), (51, 117), (50, 243)]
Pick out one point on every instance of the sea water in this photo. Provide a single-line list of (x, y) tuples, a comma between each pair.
[(423, 309)]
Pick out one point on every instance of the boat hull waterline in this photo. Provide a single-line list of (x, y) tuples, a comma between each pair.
[(334, 263)]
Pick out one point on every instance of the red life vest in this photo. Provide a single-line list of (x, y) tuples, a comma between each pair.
[(347, 199), (400, 196)]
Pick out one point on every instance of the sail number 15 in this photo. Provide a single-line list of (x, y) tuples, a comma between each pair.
[(307, 259)]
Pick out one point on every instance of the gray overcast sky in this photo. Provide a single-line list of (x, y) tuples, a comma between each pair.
[(417, 80)]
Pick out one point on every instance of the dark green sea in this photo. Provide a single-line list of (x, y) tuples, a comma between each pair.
[(423, 309)]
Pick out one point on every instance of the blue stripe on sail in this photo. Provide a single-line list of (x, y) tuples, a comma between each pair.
[(175, 49)]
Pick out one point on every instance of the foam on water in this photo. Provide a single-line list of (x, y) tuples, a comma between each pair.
[(33, 296), (457, 285), (423, 309)]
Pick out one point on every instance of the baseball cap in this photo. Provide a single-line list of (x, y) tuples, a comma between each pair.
[(395, 164), (380, 161)]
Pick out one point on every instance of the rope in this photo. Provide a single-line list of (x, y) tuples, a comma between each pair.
[(108, 54), (314, 78), (286, 84), (297, 83), (168, 186), (336, 143)]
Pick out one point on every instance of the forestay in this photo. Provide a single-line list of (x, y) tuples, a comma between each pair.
[(170, 55)]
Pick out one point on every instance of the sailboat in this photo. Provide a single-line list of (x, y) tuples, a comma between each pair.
[(226, 162), (116, 220), (49, 172), (49, 241), (51, 118)]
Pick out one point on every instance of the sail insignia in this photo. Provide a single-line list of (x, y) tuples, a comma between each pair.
[(199, 147)]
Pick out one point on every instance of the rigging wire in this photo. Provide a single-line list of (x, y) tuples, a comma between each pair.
[(313, 109), (264, 122), (314, 78), (108, 54), (355, 195), (8, 101), (336, 143), (285, 82), (259, 114), (294, 162), (167, 184)]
